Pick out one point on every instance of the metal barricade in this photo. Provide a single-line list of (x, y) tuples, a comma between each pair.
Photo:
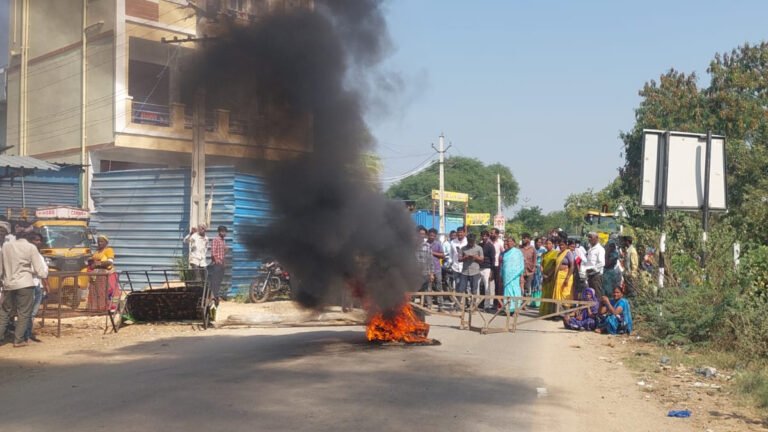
[(168, 295), (73, 294)]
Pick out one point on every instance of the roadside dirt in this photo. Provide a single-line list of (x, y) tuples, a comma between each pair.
[(664, 380)]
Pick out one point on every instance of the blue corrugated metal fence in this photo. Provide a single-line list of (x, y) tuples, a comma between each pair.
[(146, 215), (41, 189)]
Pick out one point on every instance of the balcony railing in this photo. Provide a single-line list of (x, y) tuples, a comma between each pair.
[(145, 113)]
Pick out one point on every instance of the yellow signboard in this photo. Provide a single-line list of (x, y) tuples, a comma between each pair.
[(450, 196), (475, 219)]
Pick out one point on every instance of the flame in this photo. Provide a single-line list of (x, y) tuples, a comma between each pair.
[(404, 326)]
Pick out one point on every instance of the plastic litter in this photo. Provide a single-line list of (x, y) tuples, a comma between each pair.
[(679, 413)]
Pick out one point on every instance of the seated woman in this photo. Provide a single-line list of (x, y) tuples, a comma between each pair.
[(615, 314), (585, 319)]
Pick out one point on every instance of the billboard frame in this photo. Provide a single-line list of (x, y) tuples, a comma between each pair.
[(662, 174)]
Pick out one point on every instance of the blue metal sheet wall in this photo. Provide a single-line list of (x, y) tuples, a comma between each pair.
[(426, 219), (146, 215), (42, 189), (252, 209)]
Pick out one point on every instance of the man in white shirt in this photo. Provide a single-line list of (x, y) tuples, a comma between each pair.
[(457, 265), (198, 249), (20, 263), (593, 266)]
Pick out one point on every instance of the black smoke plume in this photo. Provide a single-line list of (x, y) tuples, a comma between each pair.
[(332, 227)]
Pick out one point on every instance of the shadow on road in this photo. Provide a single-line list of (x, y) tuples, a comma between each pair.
[(310, 380)]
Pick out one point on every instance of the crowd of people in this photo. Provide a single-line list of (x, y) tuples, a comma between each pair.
[(24, 273), (547, 271)]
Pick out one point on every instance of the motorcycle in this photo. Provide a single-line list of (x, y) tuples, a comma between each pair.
[(272, 280)]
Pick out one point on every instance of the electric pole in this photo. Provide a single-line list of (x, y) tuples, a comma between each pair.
[(441, 151), (197, 202), (498, 193), (197, 210)]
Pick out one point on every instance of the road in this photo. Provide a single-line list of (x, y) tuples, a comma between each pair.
[(541, 378)]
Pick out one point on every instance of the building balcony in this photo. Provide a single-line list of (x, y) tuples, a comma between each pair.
[(169, 128)]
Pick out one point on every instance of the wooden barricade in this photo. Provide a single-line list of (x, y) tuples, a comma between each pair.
[(466, 306)]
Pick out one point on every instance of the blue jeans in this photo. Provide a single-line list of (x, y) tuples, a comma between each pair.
[(469, 284), (35, 308)]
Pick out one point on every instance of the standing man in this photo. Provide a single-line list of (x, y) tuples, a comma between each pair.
[(486, 267), (446, 262), (498, 245), (198, 250), (41, 285), (218, 255), (631, 266), (20, 264), (593, 266), (436, 253), (456, 264), (424, 260), (529, 258), (471, 256)]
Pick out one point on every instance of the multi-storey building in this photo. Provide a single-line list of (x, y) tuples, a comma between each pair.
[(91, 83)]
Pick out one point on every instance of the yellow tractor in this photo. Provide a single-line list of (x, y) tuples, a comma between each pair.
[(604, 223)]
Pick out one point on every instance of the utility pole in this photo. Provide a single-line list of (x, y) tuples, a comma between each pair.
[(197, 208), (441, 151), (498, 193), (197, 201)]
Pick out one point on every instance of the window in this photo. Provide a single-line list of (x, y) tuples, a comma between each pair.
[(238, 5)]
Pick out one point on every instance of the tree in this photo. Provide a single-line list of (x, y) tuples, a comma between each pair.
[(733, 105), (465, 175)]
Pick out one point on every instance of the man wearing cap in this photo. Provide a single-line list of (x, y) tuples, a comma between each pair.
[(218, 254), (593, 266), (198, 249)]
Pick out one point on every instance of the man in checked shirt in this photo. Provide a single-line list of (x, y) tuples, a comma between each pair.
[(218, 254)]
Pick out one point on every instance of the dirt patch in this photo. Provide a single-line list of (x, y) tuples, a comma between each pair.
[(679, 383)]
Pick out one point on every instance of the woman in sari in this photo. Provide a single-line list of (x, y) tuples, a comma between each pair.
[(615, 314), (104, 280), (537, 275), (585, 319), (564, 277), (512, 268), (548, 268)]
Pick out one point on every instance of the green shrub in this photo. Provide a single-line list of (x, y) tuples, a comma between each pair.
[(754, 384)]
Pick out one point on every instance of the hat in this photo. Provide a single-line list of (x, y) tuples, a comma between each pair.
[(102, 236)]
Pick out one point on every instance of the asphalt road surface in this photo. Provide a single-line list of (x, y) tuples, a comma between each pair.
[(320, 379)]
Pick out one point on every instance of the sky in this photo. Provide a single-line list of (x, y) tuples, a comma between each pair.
[(543, 87)]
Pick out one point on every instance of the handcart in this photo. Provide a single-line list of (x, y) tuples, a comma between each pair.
[(167, 295)]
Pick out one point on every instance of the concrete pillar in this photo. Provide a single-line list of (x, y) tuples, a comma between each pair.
[(177, 117)]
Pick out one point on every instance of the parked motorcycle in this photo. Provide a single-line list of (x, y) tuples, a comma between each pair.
[(271, 281)]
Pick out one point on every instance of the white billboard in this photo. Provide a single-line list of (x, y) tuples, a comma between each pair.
[(685, 157)]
